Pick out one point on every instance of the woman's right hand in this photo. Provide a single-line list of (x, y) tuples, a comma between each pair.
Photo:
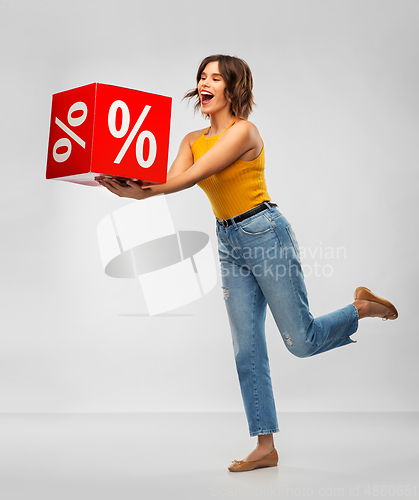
[(127, 189)]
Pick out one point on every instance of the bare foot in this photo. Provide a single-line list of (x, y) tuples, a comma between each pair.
[(370, 309), (264, 447)]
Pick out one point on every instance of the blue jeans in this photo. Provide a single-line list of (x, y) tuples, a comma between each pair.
[(260, 265)]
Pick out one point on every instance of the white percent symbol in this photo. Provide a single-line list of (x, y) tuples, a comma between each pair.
[(73, 122), (145, 134)]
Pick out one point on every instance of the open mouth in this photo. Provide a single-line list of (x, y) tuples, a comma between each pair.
[(206, 97)]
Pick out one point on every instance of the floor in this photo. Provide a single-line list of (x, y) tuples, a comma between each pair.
[(185, 456)]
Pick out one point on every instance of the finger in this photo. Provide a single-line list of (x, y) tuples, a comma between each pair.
[(116, 184), (133, 185), (111, 187)]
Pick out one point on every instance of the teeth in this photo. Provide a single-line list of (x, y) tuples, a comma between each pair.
[(206, 96)]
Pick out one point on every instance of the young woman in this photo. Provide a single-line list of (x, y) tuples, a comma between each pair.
[(258, 251)]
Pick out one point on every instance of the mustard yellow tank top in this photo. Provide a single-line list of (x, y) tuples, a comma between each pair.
[(237, 188)]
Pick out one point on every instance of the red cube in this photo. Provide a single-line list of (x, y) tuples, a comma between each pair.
[(101, 129)]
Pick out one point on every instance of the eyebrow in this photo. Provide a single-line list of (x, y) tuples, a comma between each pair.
[(213, 74)]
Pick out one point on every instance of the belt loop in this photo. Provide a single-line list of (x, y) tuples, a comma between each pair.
[(269, 206)]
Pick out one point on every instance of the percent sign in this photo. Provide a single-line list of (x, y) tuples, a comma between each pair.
[(73, 122), (145, 134)]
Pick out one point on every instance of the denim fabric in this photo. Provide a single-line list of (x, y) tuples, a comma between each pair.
[(260, 265)]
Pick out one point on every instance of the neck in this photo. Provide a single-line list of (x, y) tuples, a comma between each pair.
[(220, 121)]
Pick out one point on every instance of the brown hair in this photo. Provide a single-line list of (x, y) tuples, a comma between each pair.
[(239, 84)]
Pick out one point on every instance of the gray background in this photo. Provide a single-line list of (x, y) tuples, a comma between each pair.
[(337, 106)]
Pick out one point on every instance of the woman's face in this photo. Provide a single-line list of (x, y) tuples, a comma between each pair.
[(211, 89)]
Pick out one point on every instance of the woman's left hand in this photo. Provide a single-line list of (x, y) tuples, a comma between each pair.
[(131, 190)]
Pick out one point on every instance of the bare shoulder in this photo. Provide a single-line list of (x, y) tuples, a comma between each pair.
[(246, 128), (248, 134)]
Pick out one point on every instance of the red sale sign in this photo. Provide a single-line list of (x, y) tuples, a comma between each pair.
[(101, 129)]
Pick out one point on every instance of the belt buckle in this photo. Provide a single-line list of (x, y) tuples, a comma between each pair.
[(224, 223)]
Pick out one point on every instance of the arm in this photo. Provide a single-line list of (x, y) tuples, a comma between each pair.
[(142, 189), (183, 174), (184, 158)]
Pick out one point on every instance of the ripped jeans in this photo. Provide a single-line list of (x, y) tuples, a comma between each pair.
[(260, 265)]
